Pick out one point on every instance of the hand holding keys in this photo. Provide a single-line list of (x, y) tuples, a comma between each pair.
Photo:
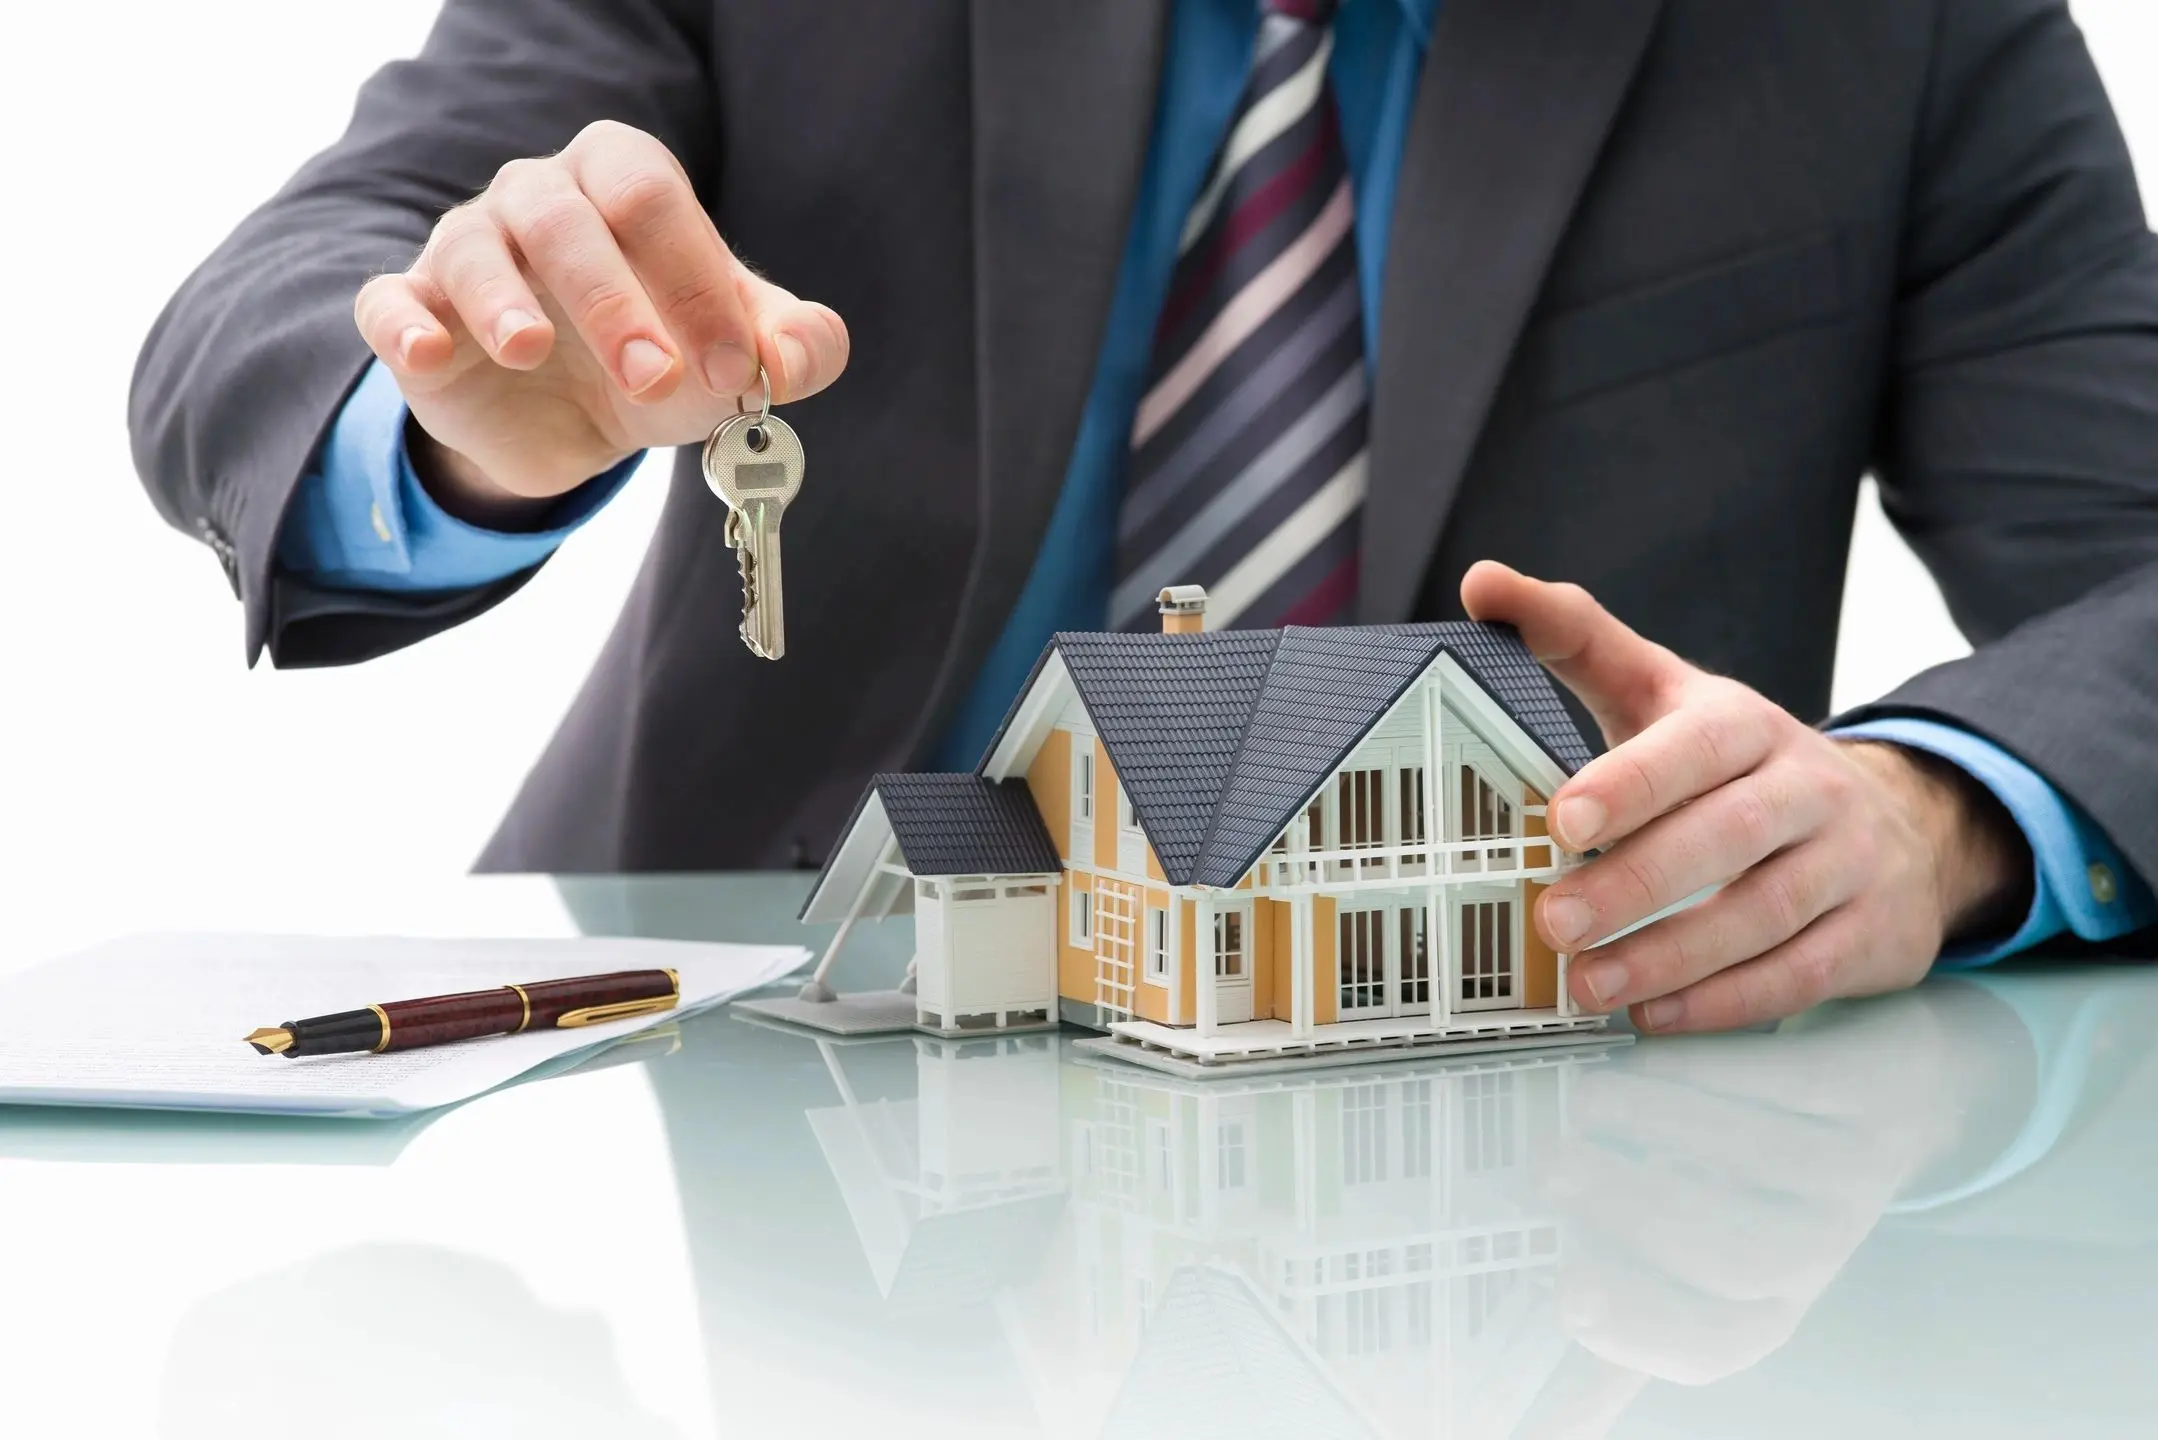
[(754, 463)]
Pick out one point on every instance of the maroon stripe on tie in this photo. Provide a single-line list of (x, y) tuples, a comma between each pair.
[(1259, 209), (1311, 12)]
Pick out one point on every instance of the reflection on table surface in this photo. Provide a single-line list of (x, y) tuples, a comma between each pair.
[(1925, 1214)]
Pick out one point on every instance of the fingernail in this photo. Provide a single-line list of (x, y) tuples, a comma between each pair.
[(1604, 979), (1661, 1014), (729, 369), (1579, 820), (643, 366), (411, 340), (1568, 918), (510, 323), (793, 361)]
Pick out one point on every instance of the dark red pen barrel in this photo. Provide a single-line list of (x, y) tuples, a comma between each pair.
[(552, 999), (443, 1018)]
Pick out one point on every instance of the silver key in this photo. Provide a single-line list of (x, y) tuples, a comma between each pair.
[(754, 463)]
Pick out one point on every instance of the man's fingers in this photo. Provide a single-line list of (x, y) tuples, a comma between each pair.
[(1723, 732), (1624, 680), (399, 327), (803, 345), (1797, 975), (468, 260), (646, 201), (571, 250), (1761, 909)]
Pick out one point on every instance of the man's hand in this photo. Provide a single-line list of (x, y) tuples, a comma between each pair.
[(1847, 865), (583, 307)]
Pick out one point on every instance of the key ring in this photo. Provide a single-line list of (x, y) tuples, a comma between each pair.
[(755, 437)]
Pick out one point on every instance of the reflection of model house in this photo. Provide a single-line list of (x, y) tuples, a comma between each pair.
[(1236, 846), (946, 1156), (1360, 1245)]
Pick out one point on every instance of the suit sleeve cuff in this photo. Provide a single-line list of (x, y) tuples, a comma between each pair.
[(362, 520), (2081, 883)]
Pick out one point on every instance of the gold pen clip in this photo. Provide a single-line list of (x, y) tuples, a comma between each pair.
[(623, 1010)]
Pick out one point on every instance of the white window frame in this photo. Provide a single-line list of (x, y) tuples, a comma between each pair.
[(1157, 945), (1083, 780), (1082, 916)]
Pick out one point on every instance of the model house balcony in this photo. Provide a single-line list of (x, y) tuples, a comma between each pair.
[(1485, 860)]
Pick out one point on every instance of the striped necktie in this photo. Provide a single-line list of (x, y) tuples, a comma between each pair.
[(1248, 451)]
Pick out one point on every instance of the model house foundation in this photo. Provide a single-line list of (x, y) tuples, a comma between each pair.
[(1234, 849)]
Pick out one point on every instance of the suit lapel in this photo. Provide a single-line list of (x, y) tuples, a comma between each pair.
[(1063, 99), (1516, 100)]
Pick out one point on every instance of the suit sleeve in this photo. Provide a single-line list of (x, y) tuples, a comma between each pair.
[(2018, 450), (247, 368)]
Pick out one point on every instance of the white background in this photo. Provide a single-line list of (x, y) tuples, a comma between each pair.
[(137, 748)]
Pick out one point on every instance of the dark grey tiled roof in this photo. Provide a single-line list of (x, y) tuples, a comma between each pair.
[(1219, 737), (966, 825), (1172, 710)]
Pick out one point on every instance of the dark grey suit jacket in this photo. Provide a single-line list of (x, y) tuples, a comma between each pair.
[(1666, 278)]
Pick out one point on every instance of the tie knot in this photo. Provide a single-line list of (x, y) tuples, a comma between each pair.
[(1304, 12)]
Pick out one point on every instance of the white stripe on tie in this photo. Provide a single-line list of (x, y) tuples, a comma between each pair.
[(1278, 553), (1261, 297), (1267, 120)]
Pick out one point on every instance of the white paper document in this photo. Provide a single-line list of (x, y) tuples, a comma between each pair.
[(155, 1021)]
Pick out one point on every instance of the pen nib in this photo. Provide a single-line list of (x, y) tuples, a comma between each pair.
[(271, 1042)]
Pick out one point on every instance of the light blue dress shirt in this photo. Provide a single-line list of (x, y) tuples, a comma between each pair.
[(362, 520)]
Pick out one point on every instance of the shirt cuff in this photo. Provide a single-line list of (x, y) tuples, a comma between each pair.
[(2081, 883), (362, 521)]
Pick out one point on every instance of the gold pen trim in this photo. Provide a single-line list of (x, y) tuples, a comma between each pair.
[(384, 1016), (522, 1024), (621, 1010)]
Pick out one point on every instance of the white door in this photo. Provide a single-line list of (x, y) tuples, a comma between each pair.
[(1384, 962), (1232, 963), (1487, 950)]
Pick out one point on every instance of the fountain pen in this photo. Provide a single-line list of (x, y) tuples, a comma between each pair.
[(509, 1010)]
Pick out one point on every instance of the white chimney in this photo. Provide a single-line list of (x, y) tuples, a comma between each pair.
[(1183, 609)]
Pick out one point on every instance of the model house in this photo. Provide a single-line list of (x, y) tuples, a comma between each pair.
[(1235, 847)]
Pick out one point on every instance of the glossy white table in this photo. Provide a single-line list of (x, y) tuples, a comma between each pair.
[(1927, 1215)]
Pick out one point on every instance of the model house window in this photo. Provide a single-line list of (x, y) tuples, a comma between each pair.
[(1315, 824), (1017, 891), (1487, 951), (1157, 946), (1360, 810), (1082, 780), (1229, 954), (1082, 916), (1415, 959), (1126, 817), (980, 892), (1363, 961), (1410, 785), (1485, 815)]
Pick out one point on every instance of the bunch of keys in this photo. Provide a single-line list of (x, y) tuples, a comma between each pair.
[(754, 463)]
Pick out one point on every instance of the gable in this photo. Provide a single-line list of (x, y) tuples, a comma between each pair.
[(1221, 737)]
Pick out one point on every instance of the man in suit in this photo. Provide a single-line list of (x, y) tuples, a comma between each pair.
[(1315, 305)]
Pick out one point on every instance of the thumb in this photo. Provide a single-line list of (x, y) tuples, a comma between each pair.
[(1626, 681)]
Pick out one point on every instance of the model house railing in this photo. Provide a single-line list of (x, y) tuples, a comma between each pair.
[(1505, 857)]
